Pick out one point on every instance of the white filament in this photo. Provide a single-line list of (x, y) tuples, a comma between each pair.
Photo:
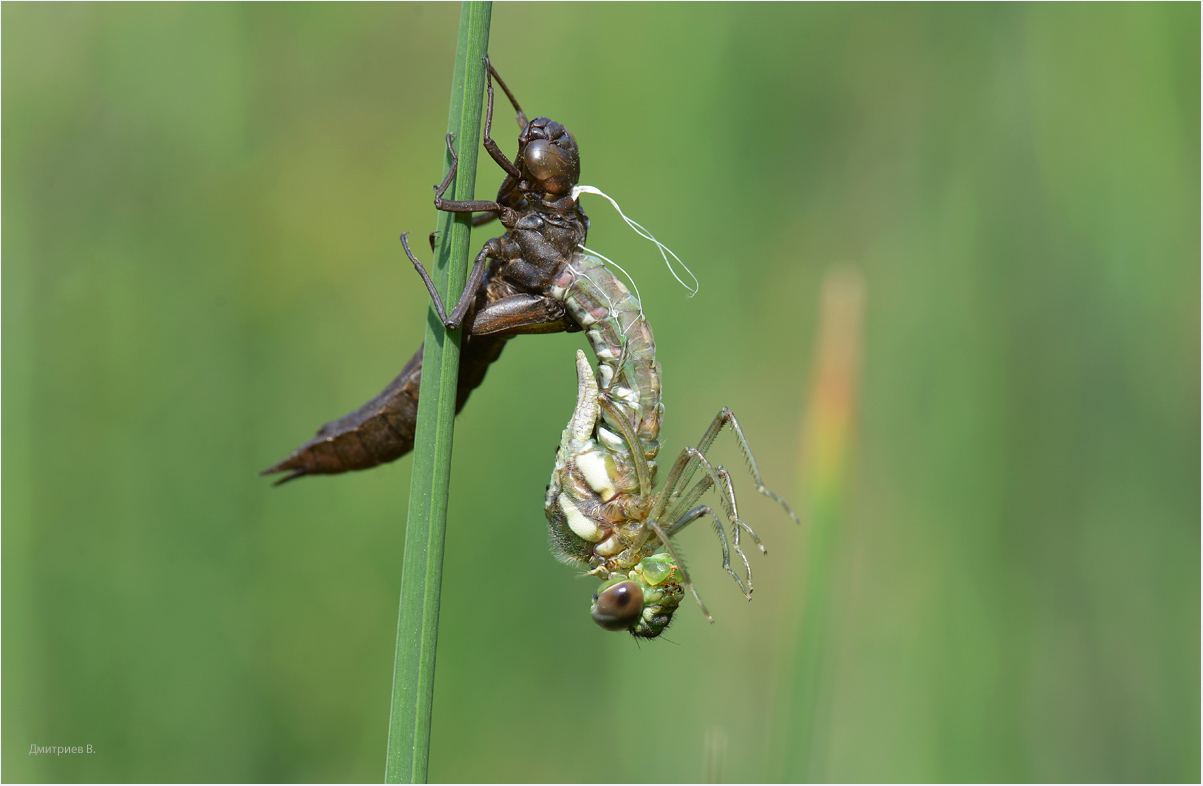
[(665, 251), (634, 286)]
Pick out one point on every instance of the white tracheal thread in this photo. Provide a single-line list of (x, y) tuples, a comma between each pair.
[(634, 286), (640, 230)]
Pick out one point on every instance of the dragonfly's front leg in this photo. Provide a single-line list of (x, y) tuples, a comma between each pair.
[(668, 547), (454, 205), (468, 296), (490, 145)]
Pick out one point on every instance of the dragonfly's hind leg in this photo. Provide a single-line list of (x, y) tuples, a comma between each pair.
[(691, 461), (684, 471), (716, 477)]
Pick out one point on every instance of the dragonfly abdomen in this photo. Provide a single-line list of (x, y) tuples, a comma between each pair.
[(622, 341)]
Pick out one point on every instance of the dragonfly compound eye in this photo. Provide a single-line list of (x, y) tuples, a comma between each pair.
[(555, 169), (618, 607)]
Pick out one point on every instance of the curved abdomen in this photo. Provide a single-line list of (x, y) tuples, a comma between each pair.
[(622, 340)]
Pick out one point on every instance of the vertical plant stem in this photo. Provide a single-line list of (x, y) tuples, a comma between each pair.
[(422, 566)]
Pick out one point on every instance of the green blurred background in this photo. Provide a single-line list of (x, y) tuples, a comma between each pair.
[(201, 266)]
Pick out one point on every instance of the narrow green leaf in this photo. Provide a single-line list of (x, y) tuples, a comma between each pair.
[(422, 566)]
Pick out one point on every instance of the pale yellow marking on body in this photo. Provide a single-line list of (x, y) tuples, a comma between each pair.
[(625, 395), (578, 522), (597, 473), (610, 439), (609, 547)]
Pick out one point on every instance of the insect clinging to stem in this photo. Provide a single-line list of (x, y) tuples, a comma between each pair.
[(544, 224), (600, 504)]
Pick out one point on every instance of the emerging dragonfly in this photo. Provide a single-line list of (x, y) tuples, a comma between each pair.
[(600, 505), (508, 298)]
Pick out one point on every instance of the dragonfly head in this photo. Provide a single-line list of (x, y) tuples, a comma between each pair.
[(641, 601), (548, 159)]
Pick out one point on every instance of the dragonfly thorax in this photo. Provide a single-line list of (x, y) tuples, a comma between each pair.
[(641, 600)]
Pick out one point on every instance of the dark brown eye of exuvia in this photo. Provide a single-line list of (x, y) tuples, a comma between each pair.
[(545, 161), (618, 607)]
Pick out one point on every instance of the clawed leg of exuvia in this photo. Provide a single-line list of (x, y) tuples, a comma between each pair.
[(456, 318), (454, 205), (492, 74), (441, 188), (490, 145)]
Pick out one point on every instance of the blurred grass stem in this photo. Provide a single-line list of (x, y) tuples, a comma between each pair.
[(422, 566), (829, 426)]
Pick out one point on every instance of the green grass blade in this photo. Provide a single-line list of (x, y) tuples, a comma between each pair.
[(422, 567)]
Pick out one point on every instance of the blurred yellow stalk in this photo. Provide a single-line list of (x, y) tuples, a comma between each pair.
[(828, 430), (831, 414)]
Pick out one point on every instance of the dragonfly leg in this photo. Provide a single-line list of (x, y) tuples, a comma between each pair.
[(490, 145), (705, 510), (467, 297), (459, 206), (522, 314), (668, 546), (719, 478), (513, 101), (682, 472), (690, 498)]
